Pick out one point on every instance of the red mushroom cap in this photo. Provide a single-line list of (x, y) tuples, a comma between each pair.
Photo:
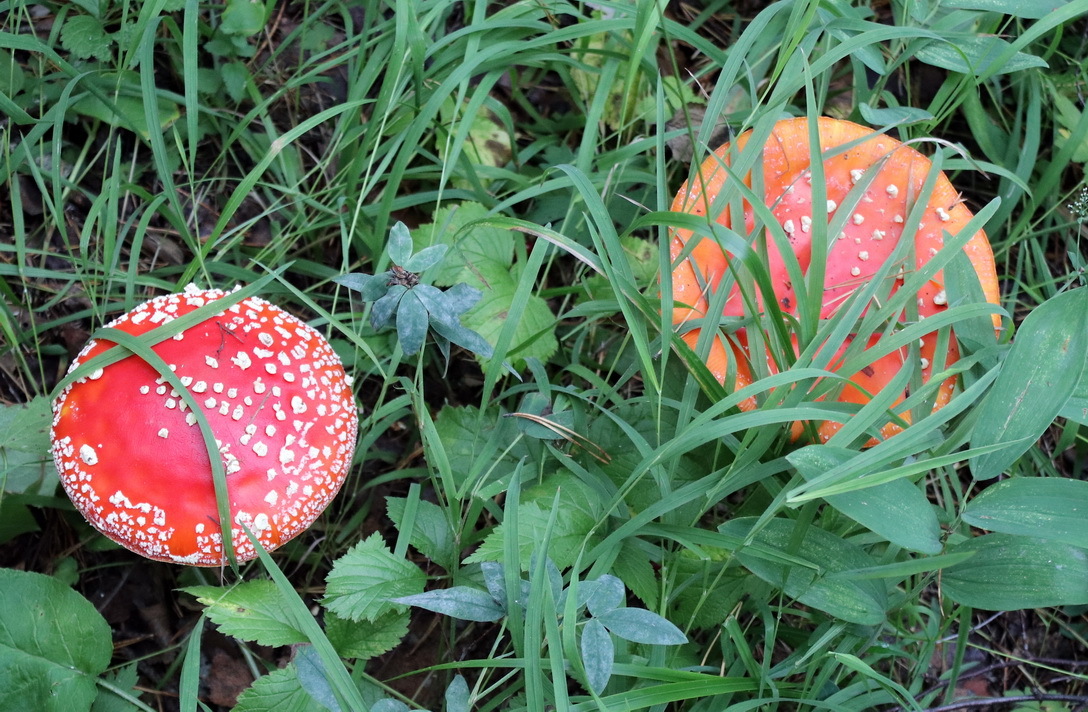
[(131, 456), (865, 243)]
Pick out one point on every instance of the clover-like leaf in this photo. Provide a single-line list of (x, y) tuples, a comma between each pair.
[(412, 321), (598, 655), (426, 258), (400, 244), (385, 307), (607, 596), (641, 626), (371, 287), (463, 602)]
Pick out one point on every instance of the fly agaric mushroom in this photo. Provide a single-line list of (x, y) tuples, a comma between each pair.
[(866, 241), (131, 455)]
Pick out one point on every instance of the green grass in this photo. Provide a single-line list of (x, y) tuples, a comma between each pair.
[(538, 141)]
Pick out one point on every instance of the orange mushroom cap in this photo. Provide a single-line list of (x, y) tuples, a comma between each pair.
[(867, 240), (131, 456)]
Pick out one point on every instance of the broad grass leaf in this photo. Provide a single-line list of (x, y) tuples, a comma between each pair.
[(462, 602), (1040, 373), (1009, 572), (641, 626), (1024, 9), (278, 691), (975, 55), (364, 579), (598, 654), (861, 601), (251, 610), (363, 640), (897, 511), (432, 534), (53, 644), (1043, 507)]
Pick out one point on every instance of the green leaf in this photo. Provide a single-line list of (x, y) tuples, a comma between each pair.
[(633, 567), (476, 255), (243, 17), (385, 307), (235, 78), (897, 511), (462, 602), (1009, 572), (1043, 507), (363, 640), (124, 679), (53, 644), (412, 323), (432, 534), (1024, 9), (400, 244), (641, 626), (577, 513), (534, 336), (1040, 373), (85, 38), (251, 610), (25, 465), (598, 655), (861, 601), (278, 691), (363, 579)]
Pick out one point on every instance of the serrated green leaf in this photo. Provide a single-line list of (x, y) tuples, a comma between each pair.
[(476, 255), (862, 601), (25, 465), (243, 18), (278, 691), (412, 323), (53, 644), (124, 679), (364, 579), (641, 626), (534, 336), (975, 55), (608, 595), (897, 511), (84, 37), (576, 516), (462, 602), (251, 610), (432, 534), (1009, 572), (1040, 373), (635, 570), (399, 246), (235, 78), (363, 640), (598, 655), (1042, 507)]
